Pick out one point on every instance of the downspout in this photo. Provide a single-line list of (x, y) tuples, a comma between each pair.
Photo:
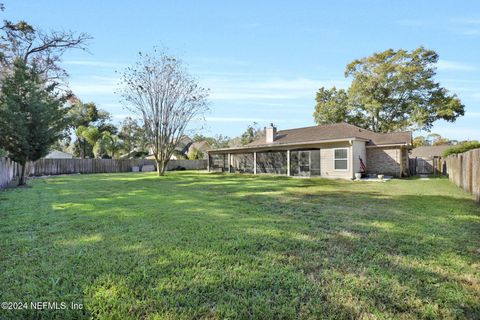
[(288, 162), (352, 173)]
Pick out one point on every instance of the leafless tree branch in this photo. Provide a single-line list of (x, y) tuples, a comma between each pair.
[(159, 89)]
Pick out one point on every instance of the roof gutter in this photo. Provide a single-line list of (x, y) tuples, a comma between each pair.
[(388, 145)]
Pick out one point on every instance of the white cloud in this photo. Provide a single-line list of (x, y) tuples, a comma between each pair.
[(458, 133), (231, 119), (95, 85), (448, 65), (112, 105), (221, 61), (271, 89), (466, 21), (472, 114), (476, 96), (413, 22), (95, 63), (243, 119), (121, 116)]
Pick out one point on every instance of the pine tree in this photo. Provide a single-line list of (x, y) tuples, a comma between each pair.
[(31, 116)]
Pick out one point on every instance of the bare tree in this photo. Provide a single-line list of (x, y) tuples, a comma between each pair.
[(42, 50), (160, 90)]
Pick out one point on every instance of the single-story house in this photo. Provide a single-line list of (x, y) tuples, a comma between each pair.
[(57, 154), (332, 151), (428, 159)]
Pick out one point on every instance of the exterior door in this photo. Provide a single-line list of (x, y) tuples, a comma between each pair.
[(304, 163)]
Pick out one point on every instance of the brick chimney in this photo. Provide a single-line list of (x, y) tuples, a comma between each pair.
[(270, 133)]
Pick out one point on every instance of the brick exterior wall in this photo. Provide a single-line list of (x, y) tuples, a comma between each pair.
[(384, 161)]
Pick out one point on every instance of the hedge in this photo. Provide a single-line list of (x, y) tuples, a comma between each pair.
[(461, 148)]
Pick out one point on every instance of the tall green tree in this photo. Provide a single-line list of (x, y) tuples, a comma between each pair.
[(392, 91), (85, 115), (332, 106), (112, 144), (252, 133), (133, 136), (216, 142), (435, 139), (419, 141), (31, 115)]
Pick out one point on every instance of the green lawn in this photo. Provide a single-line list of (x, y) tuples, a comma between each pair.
[(198, 245)]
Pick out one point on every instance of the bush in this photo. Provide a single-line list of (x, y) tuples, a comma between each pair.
[(194, 154), (461, 148)]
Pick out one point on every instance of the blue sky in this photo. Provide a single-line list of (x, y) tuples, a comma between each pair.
[(262, 60)]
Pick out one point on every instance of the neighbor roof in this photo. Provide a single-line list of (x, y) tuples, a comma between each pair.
[(199, 145), (334, 132), (57, 154), (430, 151)]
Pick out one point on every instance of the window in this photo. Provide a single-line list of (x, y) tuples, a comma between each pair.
[(341, 159)]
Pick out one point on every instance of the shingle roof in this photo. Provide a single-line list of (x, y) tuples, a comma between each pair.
[(200, 145), (335, 131), (429, 151), (57, 154)]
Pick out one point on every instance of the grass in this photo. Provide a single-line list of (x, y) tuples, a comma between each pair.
[(196, 245)]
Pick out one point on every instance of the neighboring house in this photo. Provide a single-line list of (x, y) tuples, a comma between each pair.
[(331, 151), (56, 154), (134, 154), (185, 145), (202, 146), (428, 159)]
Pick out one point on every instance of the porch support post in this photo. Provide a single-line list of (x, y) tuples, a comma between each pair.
[(288, 162), (208, 161), (401, 162), (255, 162), (229, 163)]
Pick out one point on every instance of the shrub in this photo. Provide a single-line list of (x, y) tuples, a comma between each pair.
[(194, 154), (461, 148)]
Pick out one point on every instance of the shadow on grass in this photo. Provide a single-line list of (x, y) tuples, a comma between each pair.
[(216, 246)]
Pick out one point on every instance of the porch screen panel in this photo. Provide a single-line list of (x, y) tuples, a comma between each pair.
[(218, 162), (315, 162), (242, 162), (294, 163), (273, 162), (305, 162)]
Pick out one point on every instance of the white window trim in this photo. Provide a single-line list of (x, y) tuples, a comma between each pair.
[(348, 165)]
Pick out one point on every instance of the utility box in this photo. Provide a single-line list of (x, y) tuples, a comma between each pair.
[(148, 168)]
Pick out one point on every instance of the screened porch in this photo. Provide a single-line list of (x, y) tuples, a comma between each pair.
[(300, 162)]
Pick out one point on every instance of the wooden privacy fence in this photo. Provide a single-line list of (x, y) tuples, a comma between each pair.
[(427, 165), (464, 170), (9, 170)]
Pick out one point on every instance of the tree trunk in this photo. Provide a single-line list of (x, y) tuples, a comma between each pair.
[(160, 168), (83, 149), (22, 181)]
